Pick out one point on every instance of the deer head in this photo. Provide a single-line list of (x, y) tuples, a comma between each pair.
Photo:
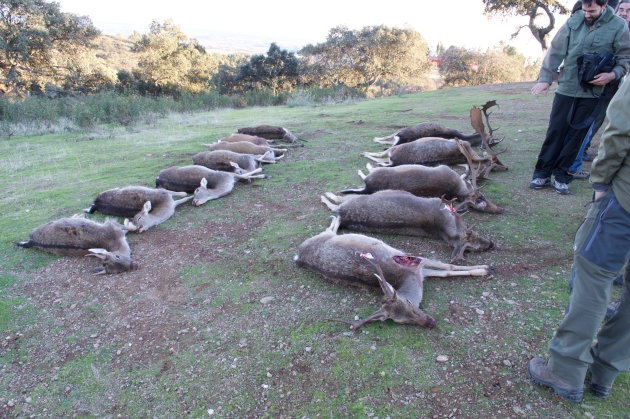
[(393, 306), (113, 263), (475, 198)]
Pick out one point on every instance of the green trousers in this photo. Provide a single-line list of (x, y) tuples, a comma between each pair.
[(601, 248)]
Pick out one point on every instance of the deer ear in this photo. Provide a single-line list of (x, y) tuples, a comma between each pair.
[(204, 182), (146, 207), (234, 165)]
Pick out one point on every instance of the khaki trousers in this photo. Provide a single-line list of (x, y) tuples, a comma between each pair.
[(601, 248)]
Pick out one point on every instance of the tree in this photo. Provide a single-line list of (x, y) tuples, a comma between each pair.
[(533, 9), (34, 35), (501, 64), (359, 58), (276, 71), (170, 61)]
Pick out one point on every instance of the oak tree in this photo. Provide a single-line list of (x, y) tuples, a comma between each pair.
[(536, 11), (360, 58), (35, 38), (170, 61)]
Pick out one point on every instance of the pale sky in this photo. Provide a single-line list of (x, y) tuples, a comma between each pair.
[(456, 22)]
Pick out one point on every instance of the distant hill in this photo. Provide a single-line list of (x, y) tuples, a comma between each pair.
[(216, 41)]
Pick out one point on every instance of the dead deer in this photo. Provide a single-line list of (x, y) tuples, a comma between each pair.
[(433, 151), (235, 138), (224, 161), (428, 129), (244, 147), (270, 132), (204, 183), (431, 129), (427, 182), (78, 236), (400, 212), (355, 259), (430, 151), (148, 207)]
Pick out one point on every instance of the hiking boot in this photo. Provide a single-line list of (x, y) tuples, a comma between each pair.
[(560, 187), (599, 390), (539, 372), (612, 308), (586, 157), (618, 281), (539, 182), (580, 174)]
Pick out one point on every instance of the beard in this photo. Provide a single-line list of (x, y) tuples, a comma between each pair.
[(591, 20)]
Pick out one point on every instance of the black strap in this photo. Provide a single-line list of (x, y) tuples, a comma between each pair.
[(600, 102)]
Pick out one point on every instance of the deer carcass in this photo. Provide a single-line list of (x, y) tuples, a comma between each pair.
[(148, 207), (78, 236), (225, 161), (244, 147), (431, 129), (400, 212), (432, 151), (204, 183), (355, 259), (428, 182), (235, 138), (270, 132), (428, 129)]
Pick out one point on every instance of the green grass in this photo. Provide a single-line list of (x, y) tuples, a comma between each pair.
[(211, 343)]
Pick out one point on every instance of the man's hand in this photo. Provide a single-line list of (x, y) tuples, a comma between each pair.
[(599, 194), (541, 87), (603, 78)]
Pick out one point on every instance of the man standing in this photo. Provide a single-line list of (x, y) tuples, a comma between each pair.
[(601, 248), (623, 11), (595, 29)]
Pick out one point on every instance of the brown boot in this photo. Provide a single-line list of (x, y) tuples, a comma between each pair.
[(539, 372)]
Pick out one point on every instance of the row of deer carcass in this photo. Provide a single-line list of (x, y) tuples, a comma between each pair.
[(212, 175), (407, 197)]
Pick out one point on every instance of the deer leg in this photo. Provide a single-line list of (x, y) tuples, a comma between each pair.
[(444, 274), (334, 225), (381, 154), (362, 175), (336, 199), (390, 139), (379, 161), (181, 201), (450, 267), (171, 193), (330, 205)]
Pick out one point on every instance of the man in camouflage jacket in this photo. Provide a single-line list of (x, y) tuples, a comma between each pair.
[(600, 249)]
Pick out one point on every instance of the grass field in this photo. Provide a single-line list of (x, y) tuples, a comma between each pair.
[(187, 335)]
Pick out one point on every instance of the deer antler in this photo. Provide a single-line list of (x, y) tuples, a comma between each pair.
[(477, 123), (484, 109), (388, 291)]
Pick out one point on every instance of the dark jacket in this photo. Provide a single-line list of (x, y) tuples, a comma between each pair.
[(575, 38)]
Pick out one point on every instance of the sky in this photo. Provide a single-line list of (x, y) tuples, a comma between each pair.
[(457, 22)]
